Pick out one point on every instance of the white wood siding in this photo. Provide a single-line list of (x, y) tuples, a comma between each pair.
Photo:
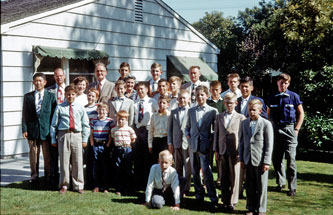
[(104, 25)]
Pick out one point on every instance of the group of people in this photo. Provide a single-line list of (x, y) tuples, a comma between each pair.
[(160, 135)]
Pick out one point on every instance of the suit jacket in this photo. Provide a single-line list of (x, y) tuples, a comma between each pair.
[(127, 105), (107, 92), (38, 127), (53, 89), (238, 107), (204, 133), (226, 138), (257, 147), (176, 129)]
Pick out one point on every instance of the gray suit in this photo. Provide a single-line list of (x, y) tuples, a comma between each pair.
[(226, 144), (127, 105), (107, 91), (255, 150), (200, 144), (177, 138)]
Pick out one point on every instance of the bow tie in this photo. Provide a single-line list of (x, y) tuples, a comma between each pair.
[(203, 108), (120, 99), (181, 108), (282, 94)]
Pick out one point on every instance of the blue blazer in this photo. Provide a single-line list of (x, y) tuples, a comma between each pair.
[(238, 107)]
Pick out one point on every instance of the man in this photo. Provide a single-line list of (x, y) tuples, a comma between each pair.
[(194, 73), (38, 108), (105, 88), (58, 89)]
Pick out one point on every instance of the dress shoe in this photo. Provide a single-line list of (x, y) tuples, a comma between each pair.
[(250, 212), (292, 193), (278, 188), (80, 191), (63, 190)]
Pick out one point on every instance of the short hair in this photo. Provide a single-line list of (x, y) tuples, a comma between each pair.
[(122, 114), (162, 80), (59, 68), (129, 77), (183, 91), (175, 79), (80, 79), (120, 82), (233, 75), (70, 87), (165, 154), (215, 83), (246, 79), (93, 90), (230, 96), (156, 65), (142, 83), (101, 64), (125, 64), (202, 88), (255, 102), (284, 76), (164, 97), (39, 74), (103, 105), (194, 67)]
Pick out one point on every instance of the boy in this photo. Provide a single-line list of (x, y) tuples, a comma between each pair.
[(162, 176), (123, 137), (91, 107), (70, 125), (177, 141), (158, 130), (286, 113), (99, 140), (255, 151), (226, 150), (124, 70), (233, 82), (156, 72), (121, 103), (38, 107), (130, 85), (174, 84), (246, 88), (216, 101), (198, 131), (162, 89), (144, 108)]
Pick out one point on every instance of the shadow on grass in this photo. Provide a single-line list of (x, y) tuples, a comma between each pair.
[(40, 185), (318, 177)]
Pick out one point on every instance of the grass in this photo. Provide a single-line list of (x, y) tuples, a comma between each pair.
[(314, 196)]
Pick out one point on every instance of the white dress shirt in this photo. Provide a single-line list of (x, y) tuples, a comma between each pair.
[(37, 97), (227, 118), (237, 92), (149, 107), (155, 181), (158, 127), (244, 104)]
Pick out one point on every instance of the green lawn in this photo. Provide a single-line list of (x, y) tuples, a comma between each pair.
[(314, 196)]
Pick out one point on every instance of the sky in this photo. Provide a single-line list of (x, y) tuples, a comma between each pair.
[(193, 10)]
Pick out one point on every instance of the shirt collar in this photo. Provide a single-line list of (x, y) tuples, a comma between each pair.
[(247, 98), (283, 93), (211, 99), (41, 92), (62, 86), (102, 82), (227, 113), (197, 83)]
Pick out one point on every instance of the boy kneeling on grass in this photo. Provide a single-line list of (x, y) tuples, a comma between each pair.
[(162, 177)]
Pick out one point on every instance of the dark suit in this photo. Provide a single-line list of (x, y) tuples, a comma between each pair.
[(246, 113), (38, 129), (107, 91)]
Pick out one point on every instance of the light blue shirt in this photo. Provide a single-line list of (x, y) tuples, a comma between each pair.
[(60, 120)]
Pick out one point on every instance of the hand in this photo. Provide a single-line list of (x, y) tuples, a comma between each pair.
[(265, 168), (170, 148), (25, 135), (296, 131), (92, 143), (84, 145), (176, 207), (242, 165), (150, 150), (54, 144), (188, 137)]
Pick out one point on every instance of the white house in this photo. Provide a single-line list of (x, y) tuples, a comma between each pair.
[(39, 35)]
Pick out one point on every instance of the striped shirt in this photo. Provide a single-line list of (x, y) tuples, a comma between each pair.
[(101, 128), (91, 111), (122, 136)]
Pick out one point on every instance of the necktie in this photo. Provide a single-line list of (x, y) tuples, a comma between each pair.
[(59, 97), (140, 117), (71, 118), (163, 182), (99, 87), (193, 93), (39, 104)]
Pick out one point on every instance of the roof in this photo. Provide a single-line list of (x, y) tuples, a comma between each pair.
[(13, 10)]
